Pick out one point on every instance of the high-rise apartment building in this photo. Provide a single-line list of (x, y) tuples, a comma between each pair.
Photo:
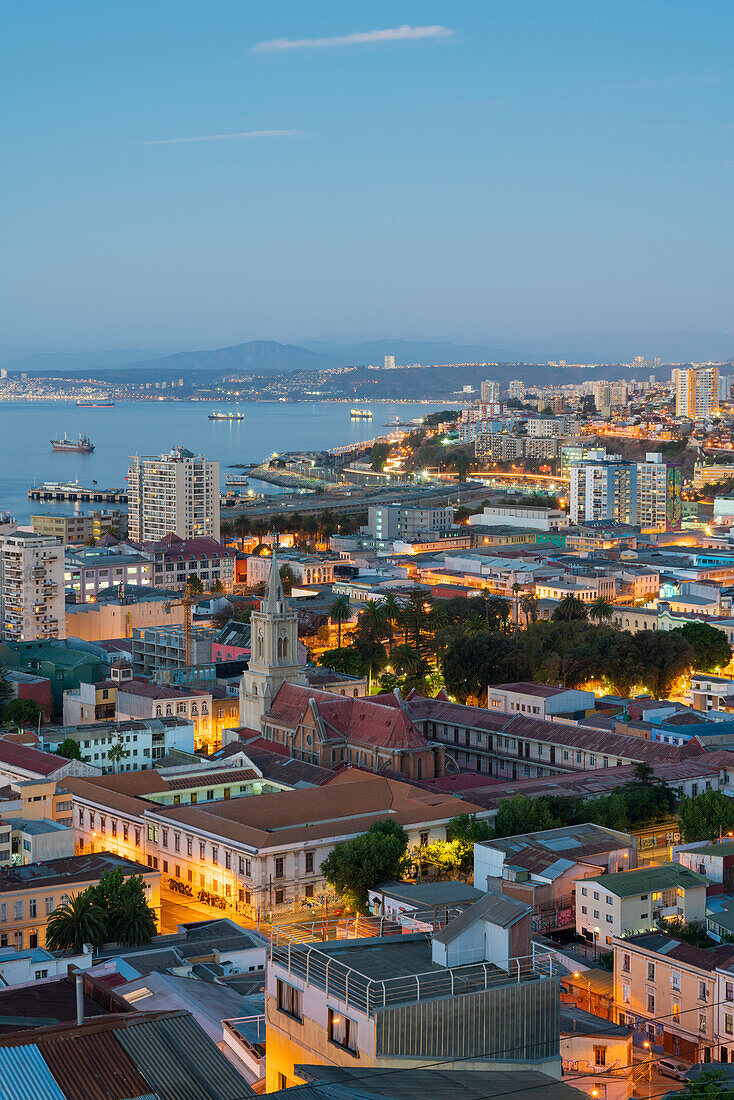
[(602, 395), (31, 587), (389, 362), (516, 389), (177, 493), (622, 492), (490, 392), (697, 391)]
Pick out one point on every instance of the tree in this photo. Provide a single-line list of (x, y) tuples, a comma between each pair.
[(601, 610), (70, 749), (711, 650), (217, 588), (709, 1085), (116, 754), (127, 916), (21, 712), (378, 455), (195, 585), (339, 613), (348, 661), (706, 816), (529, 607), (570, 608), (75, 922), (392, 607), (460, 461), (6, 689), (288, 579), (523, 815), (354, 867), (469, 664), (694, 932), (666, 656)]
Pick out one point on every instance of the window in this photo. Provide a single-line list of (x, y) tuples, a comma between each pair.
[(584, 891), (596, 914), (125, 829), (675, 979), (729, 1023), (17, 910), (423, 839), (189, 846), (584, 909), (675, 1013), (164, 837), (625, 993), (137, 838), (32, 908), (165, 866), (40, 974), (702, 991), (600, 1056), (279, 867), (278, 897), (153, 833), (228, 860), (651, 1003), (342, 1030), (596, 895), (202, 850), (177, 842), (49, 903), (289, 1000), (702, 1023), (309, 890), (730, 991), (610, 918), (651, 972), (215, 854), (309, 863)]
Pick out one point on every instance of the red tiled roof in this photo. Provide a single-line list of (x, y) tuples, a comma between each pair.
[(595, 740), (157, 691), (34, 760), (357, 719), (175, 547)]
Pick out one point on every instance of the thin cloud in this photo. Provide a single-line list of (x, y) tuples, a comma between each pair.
[(225, 137), (357, 38)]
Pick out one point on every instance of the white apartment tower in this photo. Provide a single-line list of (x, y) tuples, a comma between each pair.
[(621, 492), (516, 389), (490, 392), (389, 362), (177, 493), (31, 588), (696, 392)]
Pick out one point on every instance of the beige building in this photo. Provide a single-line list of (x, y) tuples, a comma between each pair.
[(79, 526), (31, 588), (176, 493), (667, 990), (117, 618), (141, 699), (29, 894), (697, 392)]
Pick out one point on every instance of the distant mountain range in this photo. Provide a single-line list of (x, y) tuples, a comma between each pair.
[(64, 362), (269, 356)]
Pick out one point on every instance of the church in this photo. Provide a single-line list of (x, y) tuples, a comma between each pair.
[(316, 714)]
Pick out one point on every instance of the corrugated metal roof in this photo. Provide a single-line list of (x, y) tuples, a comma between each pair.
[(181, 1062), (25, 1076), (94, 1067)]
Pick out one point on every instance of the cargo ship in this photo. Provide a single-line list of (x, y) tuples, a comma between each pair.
[(361, 414), (82, 445), (226, 415), (236, 481), (102, 402)]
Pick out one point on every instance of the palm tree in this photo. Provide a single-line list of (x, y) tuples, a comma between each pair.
[(393, 608), (515, 589), (570, 608), (339, 613), (242, 527), (529, 606), (601, 610), (76, 922), (132, 921), (474, 625), (116, 754), (406, 660), (372, 621)]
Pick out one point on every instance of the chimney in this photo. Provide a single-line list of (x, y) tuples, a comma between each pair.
[(79, 998)]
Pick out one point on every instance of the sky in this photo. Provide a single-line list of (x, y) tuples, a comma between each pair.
[(177, 174)]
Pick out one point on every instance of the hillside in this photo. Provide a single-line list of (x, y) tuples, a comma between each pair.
[(256, 357)]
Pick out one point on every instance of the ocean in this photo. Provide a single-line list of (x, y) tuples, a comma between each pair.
[(154, 427)]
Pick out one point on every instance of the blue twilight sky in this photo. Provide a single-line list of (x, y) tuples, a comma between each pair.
[(494, 169)]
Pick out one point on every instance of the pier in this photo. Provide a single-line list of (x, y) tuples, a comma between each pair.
[(72, 490)]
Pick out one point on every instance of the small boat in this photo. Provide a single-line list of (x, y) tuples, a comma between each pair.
[(361, 414), (82, 445), (214, 415), (101, 402)]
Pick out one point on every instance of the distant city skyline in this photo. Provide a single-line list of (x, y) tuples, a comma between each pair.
[(177, 178)]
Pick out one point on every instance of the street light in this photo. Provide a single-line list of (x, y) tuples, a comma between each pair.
[(588, 985)]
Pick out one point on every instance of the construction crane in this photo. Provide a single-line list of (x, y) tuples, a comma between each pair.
[(185, 603)]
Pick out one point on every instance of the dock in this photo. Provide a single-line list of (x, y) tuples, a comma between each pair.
[(72, 490)]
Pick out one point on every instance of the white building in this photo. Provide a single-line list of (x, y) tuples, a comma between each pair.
[(144, 741), (540, 519), (31, 588), (35, 964), (490, 391), (697, 392), (176, 493), (516, 389), (652, 492), (632, 901), (389, 362), (546, 426), (623, 492)]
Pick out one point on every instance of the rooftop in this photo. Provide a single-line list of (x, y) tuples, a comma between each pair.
[(13, 755), (703, 958), (643, 880), (66, 871)]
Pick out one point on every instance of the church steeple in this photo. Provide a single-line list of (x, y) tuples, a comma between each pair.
[(274, 602)]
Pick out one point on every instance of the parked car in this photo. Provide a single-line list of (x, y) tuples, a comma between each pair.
[(668, 1068)]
